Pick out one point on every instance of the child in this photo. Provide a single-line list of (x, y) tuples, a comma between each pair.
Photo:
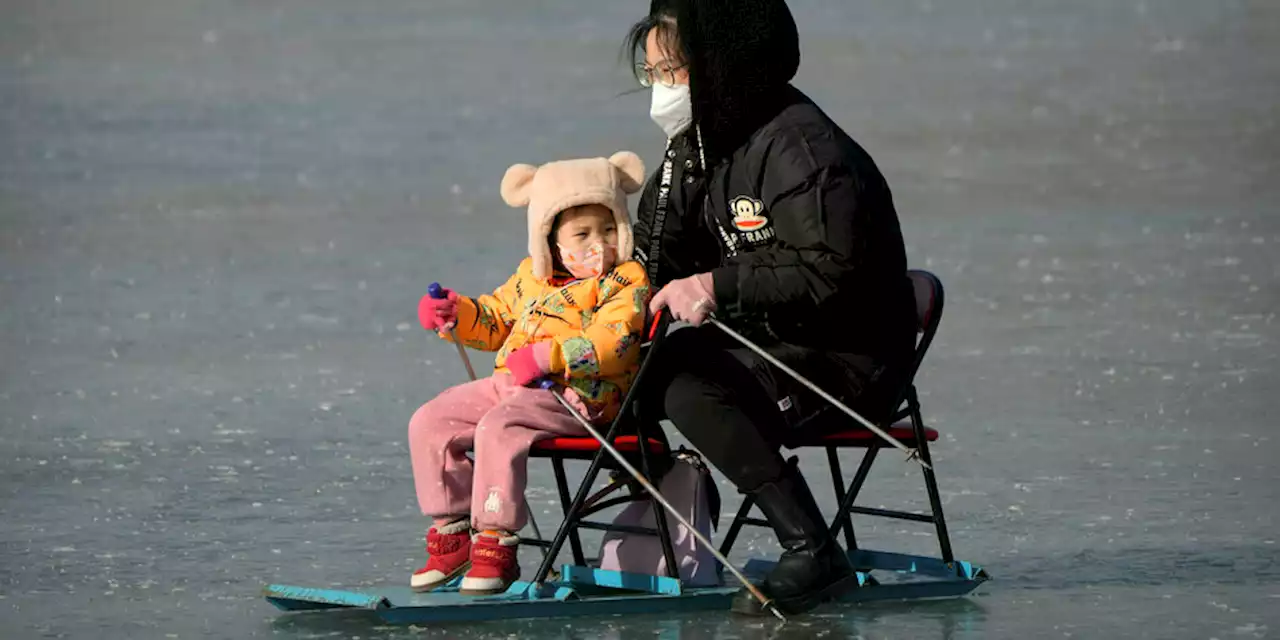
[(570, 313)]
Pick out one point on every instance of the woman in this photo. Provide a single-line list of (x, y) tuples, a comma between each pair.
[(766, 213)]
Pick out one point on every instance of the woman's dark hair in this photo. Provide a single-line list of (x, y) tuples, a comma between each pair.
[(668, 39)]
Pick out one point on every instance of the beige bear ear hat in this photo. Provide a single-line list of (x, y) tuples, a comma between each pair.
[(557, 186)]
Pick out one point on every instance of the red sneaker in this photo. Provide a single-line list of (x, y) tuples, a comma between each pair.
[(493, 564), (449, 555)]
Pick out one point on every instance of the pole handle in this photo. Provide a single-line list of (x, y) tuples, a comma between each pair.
[(437, 292)]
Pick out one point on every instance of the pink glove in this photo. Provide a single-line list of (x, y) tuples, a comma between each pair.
[(530, 363), (438, 314), (690, 299)]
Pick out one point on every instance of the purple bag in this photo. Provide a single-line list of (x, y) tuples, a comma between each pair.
[(689, 488)]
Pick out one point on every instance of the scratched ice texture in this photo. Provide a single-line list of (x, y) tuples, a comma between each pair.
[(216, 218)]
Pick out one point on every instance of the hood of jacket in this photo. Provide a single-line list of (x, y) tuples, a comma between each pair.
[(743, 55)]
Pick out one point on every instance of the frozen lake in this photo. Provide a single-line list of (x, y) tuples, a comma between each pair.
[(217, 217)]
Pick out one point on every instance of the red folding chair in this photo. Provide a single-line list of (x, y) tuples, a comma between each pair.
[(905, 424), (625, 434)]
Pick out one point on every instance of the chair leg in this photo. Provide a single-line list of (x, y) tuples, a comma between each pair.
[(570, 525), (739, 521), (659, 512), (569, 528), (837, 480), (855, 487), (575, 539), (931, 484)]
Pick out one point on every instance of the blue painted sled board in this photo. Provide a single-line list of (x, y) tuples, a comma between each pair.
[(291, 598), (583, 579), (400, 604), (871, 561), (920, 565), (594, 592), (455, 607)]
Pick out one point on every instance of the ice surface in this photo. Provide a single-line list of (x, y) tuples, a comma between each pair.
[(216, 219)]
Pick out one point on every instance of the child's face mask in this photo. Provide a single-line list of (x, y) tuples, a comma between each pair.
[(591, 261)]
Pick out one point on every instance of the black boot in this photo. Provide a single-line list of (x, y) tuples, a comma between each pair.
[(813, 568)]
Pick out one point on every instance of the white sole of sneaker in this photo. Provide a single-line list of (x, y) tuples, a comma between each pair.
[(436, 584), (483, 586)]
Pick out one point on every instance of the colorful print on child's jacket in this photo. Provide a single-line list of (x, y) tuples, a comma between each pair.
[(595, 327)]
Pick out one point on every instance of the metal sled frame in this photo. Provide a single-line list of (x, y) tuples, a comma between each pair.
[(907, 425), (584, 504), (582, 590)]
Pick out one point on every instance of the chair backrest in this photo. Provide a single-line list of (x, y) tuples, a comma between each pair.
[(929, 299)]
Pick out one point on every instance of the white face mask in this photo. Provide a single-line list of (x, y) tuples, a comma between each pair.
[(671, 108)]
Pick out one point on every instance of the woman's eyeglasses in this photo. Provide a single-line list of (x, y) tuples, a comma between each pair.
[(663, 74)]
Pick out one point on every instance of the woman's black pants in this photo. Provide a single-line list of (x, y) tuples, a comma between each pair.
[(737, 409)]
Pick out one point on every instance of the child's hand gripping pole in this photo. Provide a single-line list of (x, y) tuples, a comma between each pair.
[(765, 602), (437, 292)]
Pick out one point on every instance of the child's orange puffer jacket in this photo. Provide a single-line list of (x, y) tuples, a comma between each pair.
[(595, 325)]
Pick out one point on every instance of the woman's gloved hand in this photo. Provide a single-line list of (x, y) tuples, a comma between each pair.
[(690, 299), (438, 313), (528, 364)]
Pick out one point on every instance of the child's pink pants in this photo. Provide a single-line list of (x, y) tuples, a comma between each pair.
[(501, 421)]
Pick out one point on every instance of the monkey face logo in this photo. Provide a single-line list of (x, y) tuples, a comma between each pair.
[(747, 213)]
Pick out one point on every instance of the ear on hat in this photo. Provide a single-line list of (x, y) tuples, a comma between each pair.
[(631, 167), (516, 183)]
